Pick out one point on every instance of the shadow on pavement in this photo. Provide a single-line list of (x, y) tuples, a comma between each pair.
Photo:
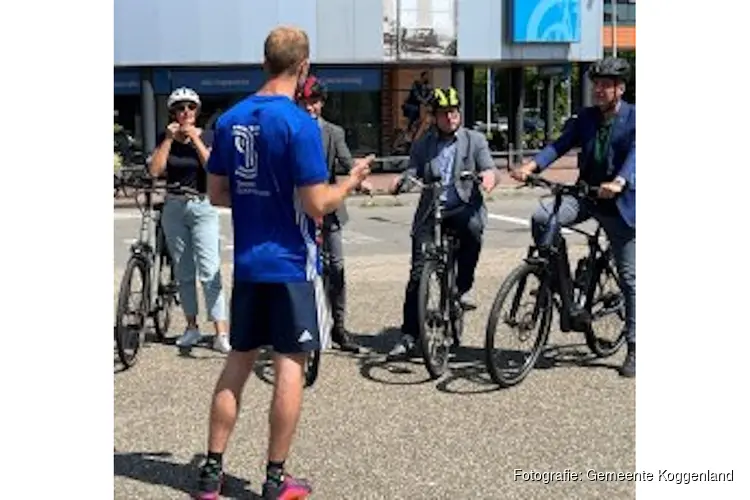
[(152, 468), (465, 366), (578, 355), (149, 340), (384, 220), (467, 373), (201, 350)]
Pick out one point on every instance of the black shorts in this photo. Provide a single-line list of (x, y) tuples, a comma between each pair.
[(281, 315)]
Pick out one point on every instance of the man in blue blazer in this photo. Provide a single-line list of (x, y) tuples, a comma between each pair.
[(605, 133)]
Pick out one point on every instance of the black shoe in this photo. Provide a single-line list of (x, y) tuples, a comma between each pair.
[(467, 302), (344, 342), (628, 367), (210, 482)]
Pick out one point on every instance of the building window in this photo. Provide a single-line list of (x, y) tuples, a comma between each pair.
[(358, 113), (128, 108), (625, 12)]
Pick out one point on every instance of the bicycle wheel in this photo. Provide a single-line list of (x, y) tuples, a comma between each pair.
[(130, 322), (312, 367), (508, 367), (434, 332), (165, 298), (606, 332), (312, 364)]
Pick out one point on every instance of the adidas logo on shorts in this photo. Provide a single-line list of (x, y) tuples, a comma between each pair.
[(305, 336)]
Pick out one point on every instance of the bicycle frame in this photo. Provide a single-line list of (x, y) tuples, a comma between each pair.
[(148, 246), (553, 257), (444, 245), (325, 252)]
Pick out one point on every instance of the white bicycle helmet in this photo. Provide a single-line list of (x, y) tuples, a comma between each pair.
[(183, 94)]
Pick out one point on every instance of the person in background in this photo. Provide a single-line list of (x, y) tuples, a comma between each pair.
[(419, 95), (191, 223), (312, 97)]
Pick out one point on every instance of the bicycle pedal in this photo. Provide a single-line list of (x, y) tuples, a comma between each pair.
[(536, 261)]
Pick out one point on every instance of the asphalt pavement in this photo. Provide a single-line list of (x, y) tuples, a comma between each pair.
[(376, 430)]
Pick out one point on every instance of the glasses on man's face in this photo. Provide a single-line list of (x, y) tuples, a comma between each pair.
[(602, 84), (180, 107)]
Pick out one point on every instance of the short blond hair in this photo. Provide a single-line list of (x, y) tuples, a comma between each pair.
[(285, 48)]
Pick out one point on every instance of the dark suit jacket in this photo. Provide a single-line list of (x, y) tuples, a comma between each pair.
[(581, 132), (336, 151), (472, 154)]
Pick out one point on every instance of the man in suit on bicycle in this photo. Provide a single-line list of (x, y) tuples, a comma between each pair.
[(605, 133), (312, 97), (445, 151)]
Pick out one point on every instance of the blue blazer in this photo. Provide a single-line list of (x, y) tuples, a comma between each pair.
[(581, 132)]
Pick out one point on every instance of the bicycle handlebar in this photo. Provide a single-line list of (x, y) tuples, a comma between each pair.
[(579, 190), (463, 176)]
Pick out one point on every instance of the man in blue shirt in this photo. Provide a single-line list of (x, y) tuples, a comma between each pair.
[(268, 165), (606, 135)]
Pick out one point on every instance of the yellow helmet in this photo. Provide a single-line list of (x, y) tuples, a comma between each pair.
[(445, 98)]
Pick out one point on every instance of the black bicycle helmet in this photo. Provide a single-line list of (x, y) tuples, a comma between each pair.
[(444, 98), (611, 67)]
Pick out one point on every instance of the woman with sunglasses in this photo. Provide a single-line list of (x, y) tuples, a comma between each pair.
[(191, 223)]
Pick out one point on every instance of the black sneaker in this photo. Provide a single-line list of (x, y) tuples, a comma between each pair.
[(628, 367), (210, 481), (343, 340)]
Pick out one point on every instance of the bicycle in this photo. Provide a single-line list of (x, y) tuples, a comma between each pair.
[(580, 300), (150, 260), (440, 261), (312, 364)]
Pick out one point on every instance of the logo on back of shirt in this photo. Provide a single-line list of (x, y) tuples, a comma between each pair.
[(244, 143)]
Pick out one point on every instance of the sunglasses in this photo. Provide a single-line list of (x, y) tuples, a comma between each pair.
[(178, 108)]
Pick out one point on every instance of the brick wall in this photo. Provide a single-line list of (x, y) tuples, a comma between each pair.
[(625, 37)]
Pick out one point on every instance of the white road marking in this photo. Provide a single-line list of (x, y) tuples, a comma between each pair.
[(356, 238), (122, 215), (518, 221)]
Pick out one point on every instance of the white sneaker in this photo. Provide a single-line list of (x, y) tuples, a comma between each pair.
[(189, 338), (221, 343)]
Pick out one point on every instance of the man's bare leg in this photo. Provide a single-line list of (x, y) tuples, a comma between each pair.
[(286, 408), (226, 400), (286, 405), (224, 409)]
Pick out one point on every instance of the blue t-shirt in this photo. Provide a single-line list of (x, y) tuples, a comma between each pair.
[(269, 147)]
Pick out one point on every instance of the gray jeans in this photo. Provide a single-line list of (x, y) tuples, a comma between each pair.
[(337, 293), (621, 238)]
